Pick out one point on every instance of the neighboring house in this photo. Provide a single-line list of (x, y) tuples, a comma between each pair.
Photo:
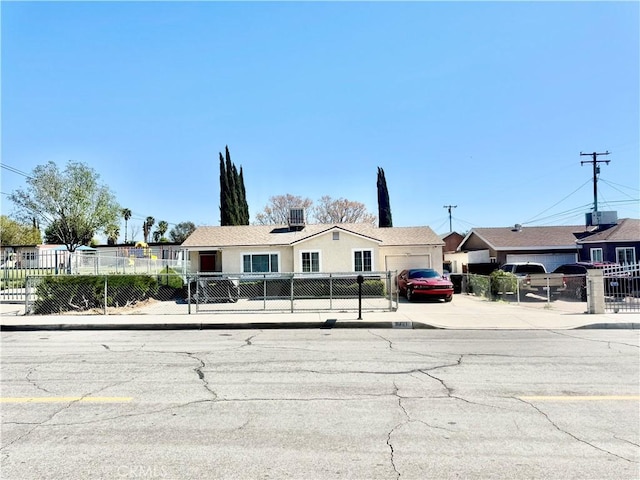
[(551, 246), (619, 243), (14, 256), (156, 250), (451, 241), (451, 260), (353, 247), (36, 256)]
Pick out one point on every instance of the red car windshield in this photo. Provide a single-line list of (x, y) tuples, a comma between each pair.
[(423, 274)]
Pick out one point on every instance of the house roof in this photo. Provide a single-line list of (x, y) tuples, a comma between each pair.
[(444, 236), (528, 238), (281, 235), (627, 230)]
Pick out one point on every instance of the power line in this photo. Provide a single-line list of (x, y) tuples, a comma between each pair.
[(558, 202), (15, 170), (612, 186), (572, 212)]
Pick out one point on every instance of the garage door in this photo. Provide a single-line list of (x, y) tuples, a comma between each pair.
[(398, 263), (550, 260)]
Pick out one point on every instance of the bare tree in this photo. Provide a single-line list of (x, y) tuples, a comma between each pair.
[(135, 231), (341, 210), (277, 211)]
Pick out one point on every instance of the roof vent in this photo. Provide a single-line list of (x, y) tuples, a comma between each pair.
[(296, 218), (517, 228)]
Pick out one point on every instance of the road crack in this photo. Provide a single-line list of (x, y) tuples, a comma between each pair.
[(199, 371), (33, 382), (557, 427)]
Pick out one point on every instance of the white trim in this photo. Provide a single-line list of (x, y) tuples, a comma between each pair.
[(277, 253), (633, 255), (353, 259), (335, 228), (591, 252), (319, 252)]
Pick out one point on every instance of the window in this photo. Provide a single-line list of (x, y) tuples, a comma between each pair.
[(596, 255), (625, 255), (336, 235), (260, 263), (310, 262), (362, 261)]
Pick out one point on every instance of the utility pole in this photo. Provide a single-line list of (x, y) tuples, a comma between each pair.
[(596, 171), (449, 207)]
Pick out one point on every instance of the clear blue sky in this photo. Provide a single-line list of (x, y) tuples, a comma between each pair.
[(486, 106)]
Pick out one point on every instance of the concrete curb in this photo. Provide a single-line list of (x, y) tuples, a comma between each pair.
[(605, 326), (328, 324)]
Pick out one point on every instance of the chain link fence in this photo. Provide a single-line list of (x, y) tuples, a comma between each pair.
[(514, 289), (621, 288), (175, 293)]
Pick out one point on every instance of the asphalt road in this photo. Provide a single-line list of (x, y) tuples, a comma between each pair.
[(321, 404)]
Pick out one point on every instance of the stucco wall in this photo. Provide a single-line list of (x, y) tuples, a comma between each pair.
[(336, 255)]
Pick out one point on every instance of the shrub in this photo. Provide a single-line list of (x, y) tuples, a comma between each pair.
[(170, 278), (370, 288), (479, 284), (85, 292), (503, 282)]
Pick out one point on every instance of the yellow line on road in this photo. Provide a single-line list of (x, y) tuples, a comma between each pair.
[(65, 399), (578, 398)]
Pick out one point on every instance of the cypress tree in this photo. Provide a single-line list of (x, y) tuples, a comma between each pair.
[(232, 191), (384, 207), (234, 209), (242, 194), (224, 189)]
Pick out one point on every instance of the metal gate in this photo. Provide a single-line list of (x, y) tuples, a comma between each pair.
[(622, 288)]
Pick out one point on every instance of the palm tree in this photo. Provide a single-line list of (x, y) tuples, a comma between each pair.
[(126, 214), (161, 230), (113, 232), (146, 228)]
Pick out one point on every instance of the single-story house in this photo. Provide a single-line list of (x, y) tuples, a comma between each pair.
[(619, 243), (551, 246), (328, 248)]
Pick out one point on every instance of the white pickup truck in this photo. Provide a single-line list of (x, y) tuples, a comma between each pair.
[(534, 277)]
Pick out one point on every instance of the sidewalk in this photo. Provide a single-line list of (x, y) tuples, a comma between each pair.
[(464, 313)]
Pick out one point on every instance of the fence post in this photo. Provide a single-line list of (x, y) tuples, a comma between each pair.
[(188, 295), (548, 292), (595, 291), (105, 295), (264, 291), (330, 291), (27, 287), (389, 282), (291, 291)]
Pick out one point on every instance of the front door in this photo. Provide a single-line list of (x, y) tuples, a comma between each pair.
[(207, 262)]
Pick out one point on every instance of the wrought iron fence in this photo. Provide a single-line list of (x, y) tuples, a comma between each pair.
[(175, 293), (622, 288), (14, 274)]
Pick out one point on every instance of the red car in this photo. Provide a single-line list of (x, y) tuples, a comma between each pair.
[(424, 282)]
